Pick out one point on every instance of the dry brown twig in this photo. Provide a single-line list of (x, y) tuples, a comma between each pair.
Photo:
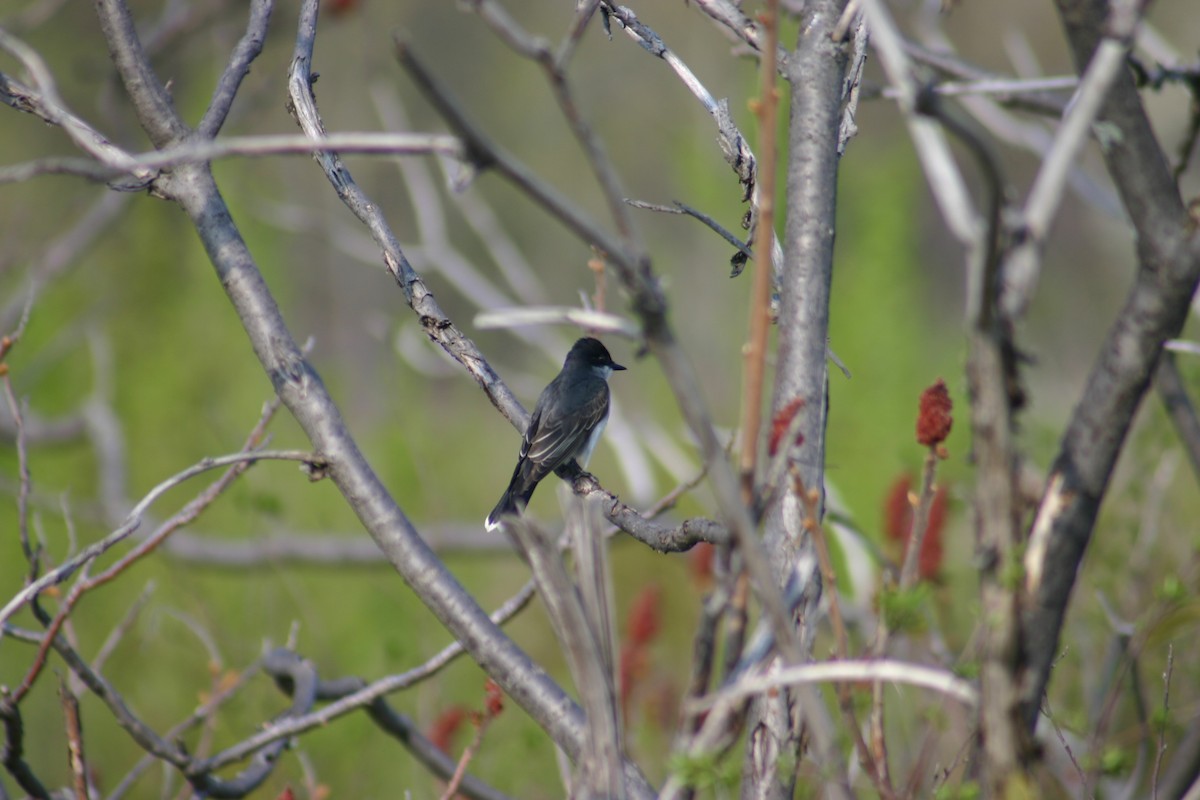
[(493, 705), (73, 723), (766, 108), (875, 763)]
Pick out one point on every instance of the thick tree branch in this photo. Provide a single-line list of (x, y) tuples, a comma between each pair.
[(1168, 249), (302, 392), (151, 100), (815, 71)]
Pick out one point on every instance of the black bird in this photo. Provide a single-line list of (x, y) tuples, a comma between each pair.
[(566, 424)]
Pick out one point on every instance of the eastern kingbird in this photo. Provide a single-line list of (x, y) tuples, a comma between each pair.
[(566, 424)]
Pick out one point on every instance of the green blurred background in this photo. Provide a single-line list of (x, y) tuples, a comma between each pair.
[(137, 324)]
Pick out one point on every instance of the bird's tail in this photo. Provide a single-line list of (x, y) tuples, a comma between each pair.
[(515, 497), (506, 507)]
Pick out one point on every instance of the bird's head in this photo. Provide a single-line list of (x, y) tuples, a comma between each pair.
[(592, 353)]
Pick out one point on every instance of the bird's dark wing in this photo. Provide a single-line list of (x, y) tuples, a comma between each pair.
[(554, 439)]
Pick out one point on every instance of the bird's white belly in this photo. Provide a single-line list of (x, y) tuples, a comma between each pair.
[(585, 452)]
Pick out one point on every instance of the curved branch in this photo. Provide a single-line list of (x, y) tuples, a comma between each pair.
[(301, 390), (134, 519), (13, 752), (1168, 249)]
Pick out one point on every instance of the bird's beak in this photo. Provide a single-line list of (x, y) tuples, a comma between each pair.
[(616, 366)]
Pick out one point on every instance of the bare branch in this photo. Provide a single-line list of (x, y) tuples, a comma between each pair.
[(816, 72), (1168, 272), (650, 304), (201, 150), (755, 350), (540, 52), (1024, 262), (151, 101), (941, 681), (248, 49), (395, 724), (1003, 87), (134, 519), (1173, 392), (13, 751), (1162, 724), (968, 75), (730, 15), (74, 730), (351, 694), (484, 154), (943, 175), (586, 318), (63, 252), (43, 101), (584, 646), (683, 208)]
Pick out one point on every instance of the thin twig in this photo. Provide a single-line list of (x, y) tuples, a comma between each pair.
[(133, 520), (937, 680), (870, 761), (588, 319), (1024, 262), (26, 481), (1172, 390), (248, 48), (207, 150), (945, 179), (74, 729), (468, 753), (755, 353), (920, 521), (362, 696), (204, 712), (734, 146), (121, 628), (44, 101), (684, 209), (1062, 739), (584, 12), (1162, 726)]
